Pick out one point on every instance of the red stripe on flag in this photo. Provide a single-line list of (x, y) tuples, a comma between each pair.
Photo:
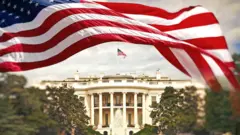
[(192, 21), (205, 70), (168, 54), (209, 42)]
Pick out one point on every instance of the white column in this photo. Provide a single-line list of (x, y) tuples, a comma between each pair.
[(100, 111), (158, 99), (87, 105), (92, 109), (135, 111), (143, 109), (124, 109), (111, 108), (148, 109)]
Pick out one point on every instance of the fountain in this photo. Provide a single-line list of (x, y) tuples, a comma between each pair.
[(118, 128)]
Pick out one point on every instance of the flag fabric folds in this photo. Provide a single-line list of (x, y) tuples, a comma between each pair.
[(121, 53), (39, 33)]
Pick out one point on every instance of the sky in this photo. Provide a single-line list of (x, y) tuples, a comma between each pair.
[(140, 59)]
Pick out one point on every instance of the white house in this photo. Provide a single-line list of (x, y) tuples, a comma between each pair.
[(120, 104)]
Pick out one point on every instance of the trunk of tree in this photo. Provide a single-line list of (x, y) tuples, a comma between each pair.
[(73, 131), (235, 101), (238, 128), (61, 132)]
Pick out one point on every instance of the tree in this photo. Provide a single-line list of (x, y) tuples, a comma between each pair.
[(219, 114), (148, 130), (91, 131), (21, 108), (235, 96), (31, 111), (10, 123), (177, 110), (67, 109)]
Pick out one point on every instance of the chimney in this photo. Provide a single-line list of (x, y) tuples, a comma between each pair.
[(101, 76), (158, 74), (76, 76)]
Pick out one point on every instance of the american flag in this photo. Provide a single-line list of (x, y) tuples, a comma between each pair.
[(121, 53), (39, 33)]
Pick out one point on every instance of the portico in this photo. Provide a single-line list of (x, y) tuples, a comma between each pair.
[(132, 105)]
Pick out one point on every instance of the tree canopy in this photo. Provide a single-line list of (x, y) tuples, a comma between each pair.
[(31, 111), (219, 114), (177, 110), (148, 130), (67, 109), (21, 108)]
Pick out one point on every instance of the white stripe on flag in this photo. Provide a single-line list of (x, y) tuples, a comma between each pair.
[(222, 54), (187, 62), (167, 22), (223, 81)]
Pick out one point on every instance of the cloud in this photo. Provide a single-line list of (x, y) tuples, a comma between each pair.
[(234, 35), (140, 58)]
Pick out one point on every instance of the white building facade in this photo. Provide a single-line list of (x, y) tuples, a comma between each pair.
[(120, 104)]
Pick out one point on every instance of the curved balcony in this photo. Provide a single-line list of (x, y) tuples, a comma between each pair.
[(121, 83)]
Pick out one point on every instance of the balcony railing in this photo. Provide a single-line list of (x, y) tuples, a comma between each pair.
[(117, 81), (105, 125), (106, 104), (130, 125), (118, 104), (129, 81), (129, 104), (104, 82)]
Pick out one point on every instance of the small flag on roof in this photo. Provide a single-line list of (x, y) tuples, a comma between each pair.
[(121, 53)]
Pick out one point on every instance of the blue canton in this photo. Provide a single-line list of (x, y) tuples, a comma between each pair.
[(22, 11)]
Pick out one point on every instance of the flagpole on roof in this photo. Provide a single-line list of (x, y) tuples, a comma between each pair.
[(117, 58)]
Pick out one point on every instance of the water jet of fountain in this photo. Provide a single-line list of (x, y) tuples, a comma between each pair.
[(118, 128)]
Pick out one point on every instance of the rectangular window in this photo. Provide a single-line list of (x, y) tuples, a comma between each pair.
[(117, 80), (152, 83), (139, 101), (154, 100), (105, 81), (96, 101), (129, 100), (118, 100), (106, 101), (129, 81)]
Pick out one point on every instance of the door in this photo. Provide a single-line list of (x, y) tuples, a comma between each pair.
[(129, 119), (106, 119)]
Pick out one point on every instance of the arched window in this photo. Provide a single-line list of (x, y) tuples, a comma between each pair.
[(105, 133), (131, 133)]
